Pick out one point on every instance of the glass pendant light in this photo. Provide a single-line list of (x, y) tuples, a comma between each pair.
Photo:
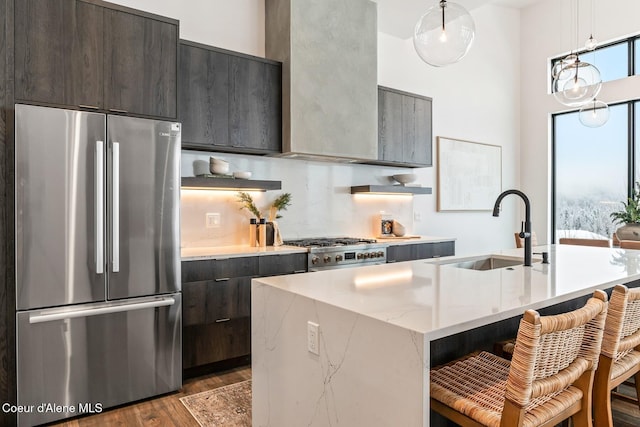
[(594, 114), (444, 34), (577, 84), (591, 42)]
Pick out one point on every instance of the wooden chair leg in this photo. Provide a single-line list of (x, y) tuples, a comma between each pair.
[(602, 394), (583, 417), (636, 379)]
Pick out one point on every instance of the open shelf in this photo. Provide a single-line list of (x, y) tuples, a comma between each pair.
[(389, 189), (213, 183)]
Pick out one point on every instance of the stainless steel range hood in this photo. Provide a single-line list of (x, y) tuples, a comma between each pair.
[(329, 81)]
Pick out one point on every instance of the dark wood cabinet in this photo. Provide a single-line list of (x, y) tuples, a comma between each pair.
[(404, 128), (95, 55), (58, 52), (410, 252), (216, 308), (141, 64), (229, 101)]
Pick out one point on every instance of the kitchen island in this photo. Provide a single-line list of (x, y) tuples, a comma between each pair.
[(380, 328)]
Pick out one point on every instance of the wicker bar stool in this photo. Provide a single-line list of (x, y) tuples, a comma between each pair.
[(548, 380), (620, 354)]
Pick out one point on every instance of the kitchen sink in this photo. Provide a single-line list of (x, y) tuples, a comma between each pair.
[(490, 262)]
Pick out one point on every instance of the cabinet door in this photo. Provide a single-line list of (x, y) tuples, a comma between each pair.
[(58, 52), (141, 64), (282, 264), (216, 301), (390, 126), (255, 111), (204, 96), (416, 135)]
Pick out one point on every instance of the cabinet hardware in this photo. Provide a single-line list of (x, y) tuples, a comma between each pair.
[(226, 319), (389, 261), (117, 110), (299, 271), (222, 279), (89, 107)]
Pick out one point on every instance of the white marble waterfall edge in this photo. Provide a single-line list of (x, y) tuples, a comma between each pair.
[(293, 387)]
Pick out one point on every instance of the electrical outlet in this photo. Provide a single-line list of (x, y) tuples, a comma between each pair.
[(312, 337), (212, 220), (417, 216)]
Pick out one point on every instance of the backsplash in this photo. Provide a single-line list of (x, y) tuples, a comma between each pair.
[(322, 203)]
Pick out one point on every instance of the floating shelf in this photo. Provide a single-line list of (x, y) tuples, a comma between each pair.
[(205, 183), (389, 189)]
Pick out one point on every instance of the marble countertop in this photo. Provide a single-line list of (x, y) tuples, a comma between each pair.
[(221, 252), (218, 252), (436, 299)]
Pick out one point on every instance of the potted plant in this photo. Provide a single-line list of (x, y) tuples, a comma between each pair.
[(279, 204), (629, 216)]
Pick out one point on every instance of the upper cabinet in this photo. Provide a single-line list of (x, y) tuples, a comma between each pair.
[(229, 101), (95, 55), (404, 128)]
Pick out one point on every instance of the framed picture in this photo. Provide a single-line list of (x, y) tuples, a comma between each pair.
[(469, 175)]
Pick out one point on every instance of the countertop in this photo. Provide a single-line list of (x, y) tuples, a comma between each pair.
[(219, 252), (222, 252), (435, 299)]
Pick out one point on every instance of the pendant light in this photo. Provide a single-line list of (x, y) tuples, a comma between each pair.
[(444, 34), (576, 83), (594, 114), (591, 42)]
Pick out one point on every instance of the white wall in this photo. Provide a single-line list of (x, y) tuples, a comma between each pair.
[(476, 99), (547, 33)]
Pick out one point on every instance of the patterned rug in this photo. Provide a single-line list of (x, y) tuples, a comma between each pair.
[(228, 406)]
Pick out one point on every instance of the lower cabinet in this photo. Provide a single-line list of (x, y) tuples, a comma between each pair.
[(216, 308), (398, 253)]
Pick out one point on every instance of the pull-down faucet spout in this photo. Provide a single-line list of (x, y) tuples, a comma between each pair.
[(526, 233)]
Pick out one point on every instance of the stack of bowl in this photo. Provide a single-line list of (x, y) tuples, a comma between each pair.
[(218, 166)]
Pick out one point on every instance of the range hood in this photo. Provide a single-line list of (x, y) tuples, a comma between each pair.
[(329, 76)]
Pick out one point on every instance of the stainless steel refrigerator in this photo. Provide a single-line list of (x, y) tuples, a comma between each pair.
[(97, 246)]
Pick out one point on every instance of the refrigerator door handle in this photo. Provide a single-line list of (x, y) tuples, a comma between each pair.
[(71, 314), (115, 221), (99, 195)]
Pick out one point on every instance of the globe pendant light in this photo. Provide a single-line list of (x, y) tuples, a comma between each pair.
[(591, 42), (444, 34), (594, 114), (577, 84)]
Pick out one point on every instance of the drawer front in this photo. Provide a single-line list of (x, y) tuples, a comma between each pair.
[(216, 301), (420, 251), (282, 264), (205, 344), (444, 249), (217, 269)]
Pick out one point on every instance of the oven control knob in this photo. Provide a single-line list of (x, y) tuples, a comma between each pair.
[(381, 253), (338, 257), (315, 260), (374, 254), (360, 255), (367, 255), (327, 258)]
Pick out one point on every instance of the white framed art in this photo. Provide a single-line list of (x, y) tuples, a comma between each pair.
[(469, 175)]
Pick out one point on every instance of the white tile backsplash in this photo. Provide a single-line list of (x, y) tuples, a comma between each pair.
[(322, 203)]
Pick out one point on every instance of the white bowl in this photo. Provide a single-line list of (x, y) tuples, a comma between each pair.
[(219, 168), (200, 167), (242, 175), (405, 178)]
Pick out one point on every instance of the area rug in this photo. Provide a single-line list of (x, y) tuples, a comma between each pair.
[(228, 406)]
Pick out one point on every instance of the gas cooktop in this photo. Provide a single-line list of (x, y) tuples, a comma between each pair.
[(328, 242)]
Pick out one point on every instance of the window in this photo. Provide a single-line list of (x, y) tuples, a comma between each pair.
[(637, 55), (590, 173), (612, 61)]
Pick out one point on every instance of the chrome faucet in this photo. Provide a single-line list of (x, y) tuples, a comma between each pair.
[(525, 232)]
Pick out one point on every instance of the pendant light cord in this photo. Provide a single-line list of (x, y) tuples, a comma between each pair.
[(443, 4)]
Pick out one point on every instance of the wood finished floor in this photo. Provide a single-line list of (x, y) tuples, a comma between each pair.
[(163, 411), (168, 411)]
